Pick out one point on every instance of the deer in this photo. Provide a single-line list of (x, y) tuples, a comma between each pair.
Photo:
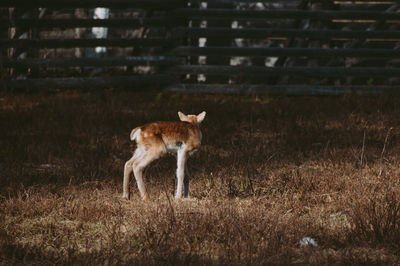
[(154, 140)]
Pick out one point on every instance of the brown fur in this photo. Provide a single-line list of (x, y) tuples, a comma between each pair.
[(155, 140), (171, 133)]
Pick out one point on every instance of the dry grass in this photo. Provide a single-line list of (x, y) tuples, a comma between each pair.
[(270, 172)]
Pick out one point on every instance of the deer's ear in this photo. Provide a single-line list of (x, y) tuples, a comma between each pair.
[(183, 117), (201, 117)]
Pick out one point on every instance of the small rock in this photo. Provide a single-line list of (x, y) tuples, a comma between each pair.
[(308, 241)]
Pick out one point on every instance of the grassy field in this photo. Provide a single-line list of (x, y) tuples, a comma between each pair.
[(270, 172)]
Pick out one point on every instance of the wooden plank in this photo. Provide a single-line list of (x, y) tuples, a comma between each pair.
[(287, 90), (82, 62), (296, 2), (87, 83), (256, 23), (291, 1), (283, 22), (251, 71), (249, 1), (70, 43), (82, 23), (154, 4), (365, 6), (254, 33), (233, 14), (366, 1), (273, 52)]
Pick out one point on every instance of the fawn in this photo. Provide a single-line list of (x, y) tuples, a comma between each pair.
[(157, 139)]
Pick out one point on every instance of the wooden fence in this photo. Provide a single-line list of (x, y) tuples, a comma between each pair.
[(292, 47)]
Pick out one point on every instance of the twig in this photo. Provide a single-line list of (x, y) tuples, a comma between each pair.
[(361, 164), (383, 151), (166, 233), (248, 176), (170, 204)]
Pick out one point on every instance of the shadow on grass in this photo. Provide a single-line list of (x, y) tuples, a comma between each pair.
[(270, 172)]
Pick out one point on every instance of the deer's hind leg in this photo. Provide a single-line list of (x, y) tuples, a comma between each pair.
[(127, 172), (144, 155)]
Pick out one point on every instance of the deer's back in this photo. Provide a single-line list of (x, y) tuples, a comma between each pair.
[(173, 132)]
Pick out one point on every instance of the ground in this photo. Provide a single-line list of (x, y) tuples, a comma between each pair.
[(271, 171)]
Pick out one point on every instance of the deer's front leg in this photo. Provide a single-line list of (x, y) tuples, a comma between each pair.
[(180, 171)]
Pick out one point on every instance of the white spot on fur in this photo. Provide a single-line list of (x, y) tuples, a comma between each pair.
[(173, 147)]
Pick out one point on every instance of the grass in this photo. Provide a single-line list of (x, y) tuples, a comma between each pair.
[(270, 172)]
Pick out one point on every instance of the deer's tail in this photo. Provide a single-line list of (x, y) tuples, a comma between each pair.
[(135, 133)]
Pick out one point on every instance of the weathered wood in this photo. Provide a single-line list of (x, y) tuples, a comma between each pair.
[(155, 4), (284, 1), (372, 27), (83, 62), (254, 33), (300, 71), (80, 23), (283, 22), (247, 1), (288, 90), (212, 41), (366, 1), (365, 7), (70, 43), (311, 52), (233, 14), (265, 29), (87, 83)]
